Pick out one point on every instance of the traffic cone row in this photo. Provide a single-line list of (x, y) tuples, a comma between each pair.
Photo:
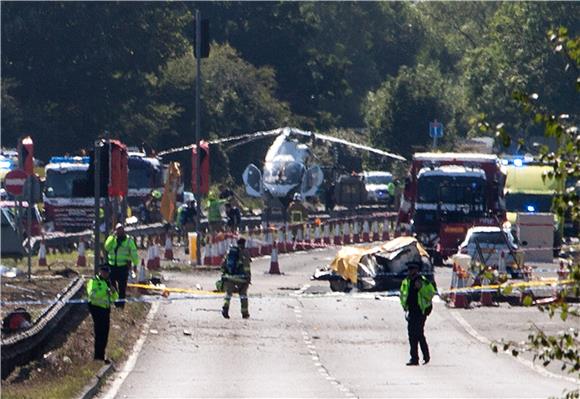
[(168, 248), (458, 299)]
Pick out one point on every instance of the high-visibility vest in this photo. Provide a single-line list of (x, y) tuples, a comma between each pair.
[(425, 294), (119, 254), (100, 293)]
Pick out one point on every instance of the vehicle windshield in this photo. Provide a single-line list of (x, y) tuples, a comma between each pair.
[(492, 238), (380, 179), (141, 178), (61, 185), (283, 173), (451, 190), (521, 202)]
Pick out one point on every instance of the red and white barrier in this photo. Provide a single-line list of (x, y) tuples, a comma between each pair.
[(307, 238), (81, 257), (385, 236), (317, 238), (299, 243), (486, 298), (326, 234), (375, 230), (346, 233), (168, 248), (366, 233), (355, 232), (337, 236), (42, 255), (280, 243)]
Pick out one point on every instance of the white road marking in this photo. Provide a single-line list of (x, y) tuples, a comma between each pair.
[(130, 364), (528, 363)]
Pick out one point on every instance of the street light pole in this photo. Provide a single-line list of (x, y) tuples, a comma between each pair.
[(198, 134)]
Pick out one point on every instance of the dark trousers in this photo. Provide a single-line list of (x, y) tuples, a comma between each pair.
[(119, 276), (101, 322), (242, 288), (416, 330)]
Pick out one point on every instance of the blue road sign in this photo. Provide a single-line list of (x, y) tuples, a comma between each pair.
[(435, 129)]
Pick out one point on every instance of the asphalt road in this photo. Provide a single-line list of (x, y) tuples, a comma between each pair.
[(303, 341)]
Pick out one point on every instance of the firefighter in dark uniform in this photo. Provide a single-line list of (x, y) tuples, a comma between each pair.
[(236, 277), (416, 298), (101, 295)]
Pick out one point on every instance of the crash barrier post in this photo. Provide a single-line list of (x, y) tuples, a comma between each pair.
[(366, 235), (375, 230), (81, 256), (192, 242), (274, 266), (385, 236), (459, 280), (42, 254), (346, 233), (337, 237), (168, 255)]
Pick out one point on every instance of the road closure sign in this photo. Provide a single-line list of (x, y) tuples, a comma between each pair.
[(14, 182)]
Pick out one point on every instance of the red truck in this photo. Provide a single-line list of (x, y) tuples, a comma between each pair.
[(447, 193)]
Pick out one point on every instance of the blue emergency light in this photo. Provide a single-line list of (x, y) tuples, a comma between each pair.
[(518, 162), (531, 208), (69, 160)]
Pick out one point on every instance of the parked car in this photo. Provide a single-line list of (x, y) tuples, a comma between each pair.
[(486, 244), (376, 184)]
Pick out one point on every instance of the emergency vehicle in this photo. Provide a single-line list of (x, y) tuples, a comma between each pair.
[(67, 203), (145, 176), (447, 193)]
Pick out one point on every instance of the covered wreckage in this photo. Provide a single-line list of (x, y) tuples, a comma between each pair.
[(376, 268)]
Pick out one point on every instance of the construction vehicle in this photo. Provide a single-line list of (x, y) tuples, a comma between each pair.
[(447, 193)]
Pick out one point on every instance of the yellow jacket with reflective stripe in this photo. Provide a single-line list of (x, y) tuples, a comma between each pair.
[(425, 293), (100, 293), (121, 255)]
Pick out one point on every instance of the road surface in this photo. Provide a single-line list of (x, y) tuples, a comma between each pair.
[(303, 341)]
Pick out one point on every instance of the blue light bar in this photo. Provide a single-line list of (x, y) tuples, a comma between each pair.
[(531, 208), (518, 162), (69, 160)]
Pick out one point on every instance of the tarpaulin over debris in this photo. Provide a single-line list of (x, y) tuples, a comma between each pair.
[(348, 259)]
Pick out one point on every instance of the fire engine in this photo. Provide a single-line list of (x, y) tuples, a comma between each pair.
[(67, 204), (145, 175), (69, 189), (447, 193)]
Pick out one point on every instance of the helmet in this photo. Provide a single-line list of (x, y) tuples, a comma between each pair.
[(297, 197)]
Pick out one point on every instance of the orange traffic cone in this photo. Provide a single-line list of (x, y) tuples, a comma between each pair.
[(81, 258), (42, 254), (168, 248), (274, 266)]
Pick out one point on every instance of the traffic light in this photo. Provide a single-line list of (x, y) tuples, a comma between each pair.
[(204, 38), (26, 155), (203, 170)]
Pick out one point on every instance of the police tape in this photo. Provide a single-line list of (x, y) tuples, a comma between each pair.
[(194, 294)]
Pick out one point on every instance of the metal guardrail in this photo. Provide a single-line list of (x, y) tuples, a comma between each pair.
[(20, 348)]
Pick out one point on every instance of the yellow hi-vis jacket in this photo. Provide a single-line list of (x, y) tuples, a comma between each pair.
[(425, 294), (100, 293), (119, 254)]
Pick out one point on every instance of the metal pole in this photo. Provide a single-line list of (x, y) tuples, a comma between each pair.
[(434, 141), (198, 134), (108, 208), (97, 207), (28, 227)]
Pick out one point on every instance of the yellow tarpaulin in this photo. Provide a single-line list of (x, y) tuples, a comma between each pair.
[(170, 192), (347, 259)]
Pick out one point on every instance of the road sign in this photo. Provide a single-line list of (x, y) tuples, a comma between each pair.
[(14, 181), (435, 129)]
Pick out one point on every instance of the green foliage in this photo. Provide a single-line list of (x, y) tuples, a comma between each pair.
[(399, 112)]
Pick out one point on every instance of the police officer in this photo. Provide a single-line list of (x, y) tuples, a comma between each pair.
[(236, 276), (416, 296), (121, 253), (101, 294)]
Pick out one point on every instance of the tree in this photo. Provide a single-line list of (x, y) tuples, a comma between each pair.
[(564, 347), (399, 112)]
